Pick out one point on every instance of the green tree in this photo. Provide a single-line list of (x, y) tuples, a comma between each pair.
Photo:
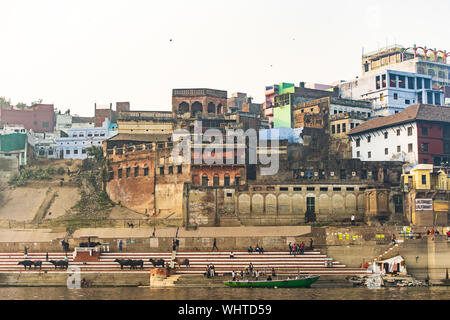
[(4, 103), (21, 105)]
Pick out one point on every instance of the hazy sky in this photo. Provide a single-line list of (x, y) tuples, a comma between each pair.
[(76, 53)]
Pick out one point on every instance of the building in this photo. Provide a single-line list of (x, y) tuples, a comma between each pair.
[(418, 134), (284, 103), (392, 91), (203, 101), (13, 152), (240, 102), (421, 60), (79, 139), (145, 122), (44, 144), (39, 117), (427, 195), (101, 113)]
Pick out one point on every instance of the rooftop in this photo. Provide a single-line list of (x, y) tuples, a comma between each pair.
[(413, 113)]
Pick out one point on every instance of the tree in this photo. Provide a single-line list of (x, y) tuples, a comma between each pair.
[(4, 103), (21, 105)]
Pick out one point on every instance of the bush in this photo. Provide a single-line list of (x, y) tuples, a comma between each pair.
[(60, 171), (50, 170)]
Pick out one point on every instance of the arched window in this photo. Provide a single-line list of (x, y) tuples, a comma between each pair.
[(196, 107), (216, 180), (183, 107), (205, 180), (226, 180), (211, 108)]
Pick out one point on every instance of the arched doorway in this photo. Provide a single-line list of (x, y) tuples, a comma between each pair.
[(196, 107), (211, 108), (219, 108), (183, 107)]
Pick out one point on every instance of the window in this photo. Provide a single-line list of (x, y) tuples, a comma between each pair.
[(310, 189), (427, 83), (358, 142), (67, 151), (337, 189), (170, 170), (392, 80), (383, 77), (342, 174), (323, 189), (398, 132), (385, 135), (424, 131), (369, 154), (83, 151), (333, 129), (204, 180), (352, 125), (136, 172), (297, 189), (216, 180), (284, 189), (407, 101), (420, 70), (424, 147), (338, 128), (89, 134), (50, 152), (344, 127), (362, 189), (378, 84), (410, 147), (410, 131), (145, 171), (350, 189), (35, 123), (424, 179), (441, 74), (358, 154), (411, 83), (399, 148), (180, 169), (437, 98), (401, 82), (395, 96), (127, 172), (161, 171), (429, 97), (75, 151), (419, 82), (431, 72), (368, 139), (226, 180), (386, 150), (364, 174), (119, 173)]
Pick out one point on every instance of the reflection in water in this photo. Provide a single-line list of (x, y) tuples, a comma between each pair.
[(132, 293)]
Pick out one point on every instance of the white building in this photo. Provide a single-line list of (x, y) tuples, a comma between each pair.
[(79, 139), (392, 91)]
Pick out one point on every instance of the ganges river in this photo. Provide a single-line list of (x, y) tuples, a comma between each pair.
[(135, 293)]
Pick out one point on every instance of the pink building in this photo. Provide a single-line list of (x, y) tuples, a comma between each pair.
[(39, 117)]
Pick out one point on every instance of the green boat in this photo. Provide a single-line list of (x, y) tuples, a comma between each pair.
[(287, 283)]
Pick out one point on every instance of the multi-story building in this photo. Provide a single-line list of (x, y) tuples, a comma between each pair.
[(145, 122), (418, 134), (421, 60), (13, 152), (391, 91), (199, 101), (240, 102), (79, 139), (38, 117)]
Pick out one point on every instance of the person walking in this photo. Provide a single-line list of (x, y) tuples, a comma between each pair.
[(120, 245), (311, 244), (290, 248), (215, 245), (250, 267), (294, 249), (353, 219)]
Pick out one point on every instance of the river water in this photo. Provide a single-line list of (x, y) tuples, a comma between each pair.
[(135, 293)]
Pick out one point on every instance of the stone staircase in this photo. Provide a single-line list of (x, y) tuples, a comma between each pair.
[(312, 262)]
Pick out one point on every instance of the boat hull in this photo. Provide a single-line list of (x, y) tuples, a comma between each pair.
[(295, 283)]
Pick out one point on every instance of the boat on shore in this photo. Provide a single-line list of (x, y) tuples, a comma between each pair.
[(286, 283)]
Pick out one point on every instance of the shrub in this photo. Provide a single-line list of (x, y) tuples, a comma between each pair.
[(50, 170), (60, 171)]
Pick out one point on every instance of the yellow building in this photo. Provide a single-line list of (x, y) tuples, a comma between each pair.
[(427, 196), (146, 122)]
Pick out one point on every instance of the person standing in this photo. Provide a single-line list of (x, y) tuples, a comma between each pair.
[(215, 245), (46, 256), (302, 248), (294, 249), (250, 267), (25, 252), (120, 245), (311, 244), (353, 219), (290, 248)]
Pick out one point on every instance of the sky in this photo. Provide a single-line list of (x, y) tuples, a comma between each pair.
[(76, 53)]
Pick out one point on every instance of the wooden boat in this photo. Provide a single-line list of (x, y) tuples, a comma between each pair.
[(286, 283)]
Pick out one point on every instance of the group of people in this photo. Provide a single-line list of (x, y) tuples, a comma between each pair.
[(432, 232), (257, 249), (299, 248), (251, 272), (210, 271)]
